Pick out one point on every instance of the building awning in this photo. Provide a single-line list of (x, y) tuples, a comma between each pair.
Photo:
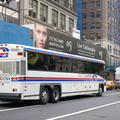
[(113, 67)]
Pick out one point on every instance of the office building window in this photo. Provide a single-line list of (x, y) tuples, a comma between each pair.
[(109, 16), (84, 5), (98, 25), (92, 14), (92, 36), (62, 2), (109, 27), (71, 24), (92, 4), (84, 36), (84, 26), (43, 12), (98, 36), (92, 25), (33, 4), (98, 3), (70, 5), (62, 21), (84, 15), (110, 37), (98, 14), (54, 18)]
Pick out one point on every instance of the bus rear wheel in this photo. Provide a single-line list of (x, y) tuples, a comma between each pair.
[(55, 95), (45, 96)]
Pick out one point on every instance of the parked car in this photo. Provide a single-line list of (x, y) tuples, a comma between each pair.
[(110, 85)]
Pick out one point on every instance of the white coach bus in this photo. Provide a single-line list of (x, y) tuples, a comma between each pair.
[(29, 73), (117, 74), (117, 78)]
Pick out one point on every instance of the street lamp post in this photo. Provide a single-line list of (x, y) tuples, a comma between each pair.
[(21, 10)]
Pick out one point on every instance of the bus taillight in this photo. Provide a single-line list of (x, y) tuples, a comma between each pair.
[(20, 53), (14, 90)]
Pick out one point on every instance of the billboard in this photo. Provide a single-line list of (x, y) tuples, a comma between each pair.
[(51, 39), (76, 33)]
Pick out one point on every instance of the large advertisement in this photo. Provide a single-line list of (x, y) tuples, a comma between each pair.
[(53, 40)]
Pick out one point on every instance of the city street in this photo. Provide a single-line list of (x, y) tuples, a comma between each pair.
[(76, 108)]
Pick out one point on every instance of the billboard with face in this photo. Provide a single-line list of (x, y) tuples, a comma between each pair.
[(53, 40)]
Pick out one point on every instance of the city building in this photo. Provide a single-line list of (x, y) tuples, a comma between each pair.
[(9, 11), (100, 21), (55, 14), (79, 16)]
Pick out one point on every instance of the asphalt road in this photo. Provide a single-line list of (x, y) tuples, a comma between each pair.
[(88, 107)]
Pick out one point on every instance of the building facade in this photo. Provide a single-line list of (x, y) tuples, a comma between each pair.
[(9, 11), (55, 14), (100, 23)]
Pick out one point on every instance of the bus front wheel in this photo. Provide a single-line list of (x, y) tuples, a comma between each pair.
[(55, 95), (100, 92), (45, 95)]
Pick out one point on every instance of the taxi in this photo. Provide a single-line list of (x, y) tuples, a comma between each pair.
[(110, 85)]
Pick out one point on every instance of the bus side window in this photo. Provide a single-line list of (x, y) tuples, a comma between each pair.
[(32, 59)]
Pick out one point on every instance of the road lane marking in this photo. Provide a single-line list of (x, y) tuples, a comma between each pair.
[(16, 108), (78, 112)]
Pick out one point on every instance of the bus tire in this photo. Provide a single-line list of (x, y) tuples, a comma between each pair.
[(55, 95), (45, 96), (100, 92)]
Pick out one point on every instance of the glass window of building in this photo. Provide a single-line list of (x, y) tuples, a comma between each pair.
[(71, 24), (92, 25), (62, 21), (84, 15), (84, 5), (84, 36), (92, 36), (98, 36), (109, 16), (98, 3), (98, 25), (70, 5), (98, 14), (62, 2), (84, 26), (54, 18), (109, 27), (92, 4), (43, 12), (92, 14), (33, 4)]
